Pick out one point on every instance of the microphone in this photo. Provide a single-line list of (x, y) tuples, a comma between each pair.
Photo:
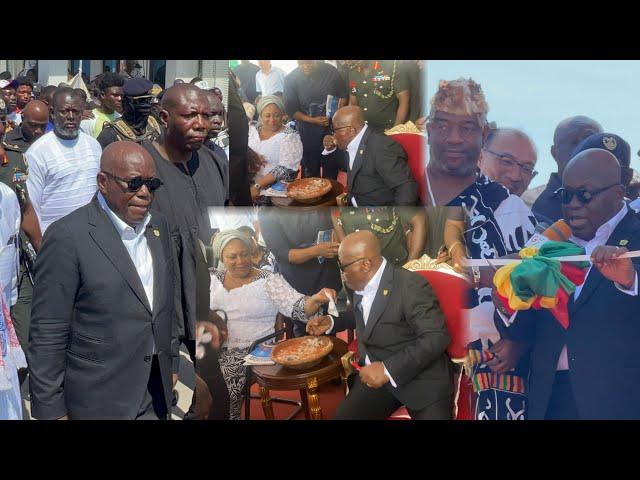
[(558, 232)]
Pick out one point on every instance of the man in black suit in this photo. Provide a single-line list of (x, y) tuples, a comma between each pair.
[(402, 338), (589, 370), (103, 336), (377, 171)]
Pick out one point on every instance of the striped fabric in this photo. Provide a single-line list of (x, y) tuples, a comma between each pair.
[(485, 380), (62, 175), (498, 381)]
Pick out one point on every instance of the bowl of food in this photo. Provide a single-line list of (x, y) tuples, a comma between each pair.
[(302, 352), (309, 190)]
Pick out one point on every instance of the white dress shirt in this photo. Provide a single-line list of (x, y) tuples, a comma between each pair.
[(135, 242), (368, 296), (352, 150), (601, 237), (62, 175), (9, 254)]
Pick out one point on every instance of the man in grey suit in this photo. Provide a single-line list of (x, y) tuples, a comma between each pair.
[(103, 336), (402, 338), (377, 170)]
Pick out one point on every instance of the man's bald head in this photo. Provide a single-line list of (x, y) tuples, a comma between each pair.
[(121, 162), (35, 118), (597, 172), (349, 115), (363, 242), (569, 133), (179, 94), (347, 123), (186, 114), (36, 110), (509, 158), (360, 258), (120, 154)]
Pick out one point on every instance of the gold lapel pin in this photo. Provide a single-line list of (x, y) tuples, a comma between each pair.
[(156, 232), (385, 292), (361, 152), (624, 242)]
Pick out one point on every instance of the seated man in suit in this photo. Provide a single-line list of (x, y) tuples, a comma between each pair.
[(377, 171), (589, 370), (402, 338), (103, 339)]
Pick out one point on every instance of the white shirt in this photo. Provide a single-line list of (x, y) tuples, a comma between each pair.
[(284, 149), (368, 296), (135, 242), (601, 237), (270, 83), (9, 231), (62, 175), (352, 150)]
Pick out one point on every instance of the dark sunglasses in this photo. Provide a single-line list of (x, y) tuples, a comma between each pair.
[(141, 100), (343, 267), (134, 184), (585, 196)]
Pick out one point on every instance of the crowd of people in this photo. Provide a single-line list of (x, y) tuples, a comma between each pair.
[(104, 200)]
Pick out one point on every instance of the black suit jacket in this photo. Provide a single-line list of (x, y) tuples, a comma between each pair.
[(380, 175), (92, 329), (602, 343), (406, 331)]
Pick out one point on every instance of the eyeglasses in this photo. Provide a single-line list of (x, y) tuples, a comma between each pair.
[(134, 184), (585, 196), (508, 161), (334, 130), (344, 267)]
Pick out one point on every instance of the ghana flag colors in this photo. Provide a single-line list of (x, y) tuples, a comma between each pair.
[(539, 281)]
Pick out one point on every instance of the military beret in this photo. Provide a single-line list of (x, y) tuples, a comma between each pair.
[(610, 142), (136, 87)]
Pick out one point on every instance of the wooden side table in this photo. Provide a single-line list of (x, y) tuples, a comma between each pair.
[(277, 377)]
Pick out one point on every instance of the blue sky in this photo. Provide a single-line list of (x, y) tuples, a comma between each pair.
[(535, 95)]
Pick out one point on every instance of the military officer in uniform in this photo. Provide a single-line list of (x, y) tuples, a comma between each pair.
[(381, 88), (136, 124), (401, 231), (14, 172)]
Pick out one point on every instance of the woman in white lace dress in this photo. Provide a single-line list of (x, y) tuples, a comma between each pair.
[(279, 146), (251, 299)]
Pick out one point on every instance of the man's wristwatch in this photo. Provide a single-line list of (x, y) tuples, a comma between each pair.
[(257, 186)]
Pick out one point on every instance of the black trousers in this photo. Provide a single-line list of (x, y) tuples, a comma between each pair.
[(364, 403), (562, 404), (154, 406)]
